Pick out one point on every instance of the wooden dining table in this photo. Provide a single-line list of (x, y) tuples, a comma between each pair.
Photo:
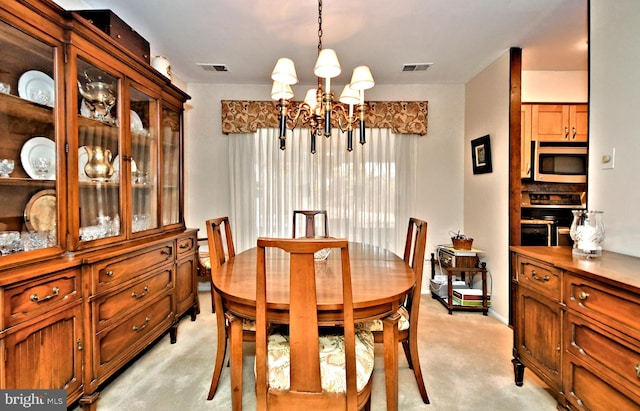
[(381, 281)]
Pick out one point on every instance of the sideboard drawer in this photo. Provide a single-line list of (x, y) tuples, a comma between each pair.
[(539, 276), (29, 299), (114, 306), (118, 344), (120, 269), (615, 307), (619, 359), (186, 245)]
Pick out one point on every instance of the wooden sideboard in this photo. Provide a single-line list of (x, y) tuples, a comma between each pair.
[(102, 264), (576, 326)]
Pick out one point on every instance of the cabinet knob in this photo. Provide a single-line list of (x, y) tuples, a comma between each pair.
[(566, 133), (638, 370), (583, 295), (573, 137)]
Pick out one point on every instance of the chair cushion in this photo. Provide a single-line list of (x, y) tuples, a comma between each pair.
[(332, 361), (403, 322), (205, 261)]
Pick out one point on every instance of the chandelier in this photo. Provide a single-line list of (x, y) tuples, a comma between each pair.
[(319, 108)]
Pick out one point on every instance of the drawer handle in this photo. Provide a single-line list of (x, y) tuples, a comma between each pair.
[(109, 273), (638, 370), (566, 133), (184, 246), (535, 276), (36, 299), (137, 296), (165, 252), (143, 326), (583, 295)]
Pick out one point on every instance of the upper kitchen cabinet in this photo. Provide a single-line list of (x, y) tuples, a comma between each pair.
[(525, 141), (560, 122), (32, 160)]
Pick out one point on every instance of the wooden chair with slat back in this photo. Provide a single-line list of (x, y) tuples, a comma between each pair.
[(414, 251), (288, 366), (230, 329), (310, 225)]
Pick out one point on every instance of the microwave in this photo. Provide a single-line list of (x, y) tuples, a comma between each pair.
[(557, 162)]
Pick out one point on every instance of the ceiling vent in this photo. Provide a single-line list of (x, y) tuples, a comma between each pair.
[(416, 67), (213, 67)]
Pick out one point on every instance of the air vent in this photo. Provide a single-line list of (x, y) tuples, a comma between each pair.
[(416, 67), (213, 67)]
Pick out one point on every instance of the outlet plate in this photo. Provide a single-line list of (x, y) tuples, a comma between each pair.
[(608, 159)]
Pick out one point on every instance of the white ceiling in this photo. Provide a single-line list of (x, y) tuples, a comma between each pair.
[(460, 37)]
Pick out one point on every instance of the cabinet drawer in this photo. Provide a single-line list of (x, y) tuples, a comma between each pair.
[(115, 305), (615, 307), (594, 344), (186, 245), (117, 270), (539, 276), (29, 299), (116, 345), (585, 390)]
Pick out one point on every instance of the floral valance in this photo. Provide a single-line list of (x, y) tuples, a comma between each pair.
[(403, 117)]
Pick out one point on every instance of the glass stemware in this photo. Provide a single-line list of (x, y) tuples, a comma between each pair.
[(6, 167)]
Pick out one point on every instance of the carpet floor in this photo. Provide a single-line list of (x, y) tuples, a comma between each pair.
[(465, 359)]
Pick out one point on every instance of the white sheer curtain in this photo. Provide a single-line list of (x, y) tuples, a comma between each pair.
[(368, 193)]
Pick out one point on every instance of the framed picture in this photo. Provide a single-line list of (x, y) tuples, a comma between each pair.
[(481, 155)]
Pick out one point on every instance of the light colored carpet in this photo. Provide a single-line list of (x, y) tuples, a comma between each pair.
[(465, 358)]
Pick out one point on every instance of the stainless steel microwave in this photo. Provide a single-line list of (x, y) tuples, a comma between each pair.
[(560, 162)]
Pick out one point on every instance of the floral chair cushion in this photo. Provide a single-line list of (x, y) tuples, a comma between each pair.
[(332, 361), (403, 322), (205, 261)]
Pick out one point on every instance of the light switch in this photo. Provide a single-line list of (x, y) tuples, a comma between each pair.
[(608, 159)]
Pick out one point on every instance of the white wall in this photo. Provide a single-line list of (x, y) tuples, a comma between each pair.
[(614, 120), (486, 196), (555, 86)]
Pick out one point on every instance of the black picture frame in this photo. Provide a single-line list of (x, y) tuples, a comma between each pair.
[(481, 155)]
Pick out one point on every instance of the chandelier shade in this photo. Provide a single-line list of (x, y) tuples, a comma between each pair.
[(318, 108)]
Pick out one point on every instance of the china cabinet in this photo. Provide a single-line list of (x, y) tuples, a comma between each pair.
[(576, 326), (96, 262)]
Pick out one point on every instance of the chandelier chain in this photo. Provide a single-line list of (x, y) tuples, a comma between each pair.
[(319, 25)]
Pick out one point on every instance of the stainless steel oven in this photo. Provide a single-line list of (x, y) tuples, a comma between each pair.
[(546, 217)]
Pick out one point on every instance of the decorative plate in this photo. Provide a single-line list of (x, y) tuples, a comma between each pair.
[(40, 211), (35, 148), (136, 123), (36, 86)]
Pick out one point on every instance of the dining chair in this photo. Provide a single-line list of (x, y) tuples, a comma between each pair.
[(204, 265), (231, 330), (304, 367), (310, 222), (414, 251)]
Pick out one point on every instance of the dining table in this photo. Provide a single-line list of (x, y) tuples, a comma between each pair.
[(381, 281)]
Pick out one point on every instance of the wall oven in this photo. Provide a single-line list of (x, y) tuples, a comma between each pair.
[(557, 162)]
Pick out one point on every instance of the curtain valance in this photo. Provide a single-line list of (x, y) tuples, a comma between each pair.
[(403, 117)]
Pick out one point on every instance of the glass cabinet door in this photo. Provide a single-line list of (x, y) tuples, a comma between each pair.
[(144, 161), (99, 159), (171, 131), (29, 163)]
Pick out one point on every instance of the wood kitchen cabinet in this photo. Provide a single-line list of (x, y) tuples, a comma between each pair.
[(560, 122), (580, 330), (525, 141), (96, 263)]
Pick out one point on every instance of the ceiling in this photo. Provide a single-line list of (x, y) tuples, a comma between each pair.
[(459, 37)]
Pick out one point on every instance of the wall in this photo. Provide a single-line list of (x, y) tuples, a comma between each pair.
[(614, 120), (486, 196), (555, 86)]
